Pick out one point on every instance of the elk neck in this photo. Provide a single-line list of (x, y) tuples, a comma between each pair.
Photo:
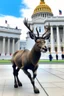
[(35, 55)]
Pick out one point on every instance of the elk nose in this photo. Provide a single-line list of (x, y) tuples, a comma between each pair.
[(45, 48)]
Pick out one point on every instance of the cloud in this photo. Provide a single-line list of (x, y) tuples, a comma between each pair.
[(28, 11), (30, 8), (55, 5), (13, 22)]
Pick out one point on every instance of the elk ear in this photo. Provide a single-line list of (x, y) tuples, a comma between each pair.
[(32, 35)]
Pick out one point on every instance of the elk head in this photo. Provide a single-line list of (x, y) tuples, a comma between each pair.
[(40, 41)]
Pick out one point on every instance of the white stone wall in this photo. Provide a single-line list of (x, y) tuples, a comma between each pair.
[(9, 41), (29, 43)]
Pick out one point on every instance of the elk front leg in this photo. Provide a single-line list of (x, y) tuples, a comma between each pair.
[(32, 81), (36, 90)]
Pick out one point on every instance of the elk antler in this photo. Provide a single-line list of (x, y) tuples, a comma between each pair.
[(37, 32), (47, 28), (27, 24), (31, 34), (46, 35)]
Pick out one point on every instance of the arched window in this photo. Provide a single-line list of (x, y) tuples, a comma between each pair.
[(39, 29)]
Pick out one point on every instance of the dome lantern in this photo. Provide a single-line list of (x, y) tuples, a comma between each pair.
[(42, 2)]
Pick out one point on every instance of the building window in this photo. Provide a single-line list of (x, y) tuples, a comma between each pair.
[(61, 48), (49, 49), (55, 40), (39, 29), (55, 49), (45, 15), (61, 40), (49, 40)]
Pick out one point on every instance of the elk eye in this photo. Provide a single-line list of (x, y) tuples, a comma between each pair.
[(44, 41), (38, 41)]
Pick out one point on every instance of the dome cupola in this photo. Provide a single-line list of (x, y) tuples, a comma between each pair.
[(42, 10)]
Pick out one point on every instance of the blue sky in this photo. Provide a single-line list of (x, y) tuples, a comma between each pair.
[(17, 7), (14, 11), (11, 7)]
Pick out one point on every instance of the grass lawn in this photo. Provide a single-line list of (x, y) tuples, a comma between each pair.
[(53, 61), (5, 61), (40, 61)]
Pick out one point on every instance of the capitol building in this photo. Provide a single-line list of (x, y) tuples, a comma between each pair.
[(42, 16)]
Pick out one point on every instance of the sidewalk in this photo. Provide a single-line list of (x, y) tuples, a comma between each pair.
[(51, 78)]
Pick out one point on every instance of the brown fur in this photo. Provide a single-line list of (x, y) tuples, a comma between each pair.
[(23, 57), (18, 57)]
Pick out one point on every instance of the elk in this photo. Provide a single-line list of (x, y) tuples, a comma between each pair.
[(25, 59)]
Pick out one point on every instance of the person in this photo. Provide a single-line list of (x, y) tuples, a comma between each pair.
[(56, 56), (62, 56), (50, 57)]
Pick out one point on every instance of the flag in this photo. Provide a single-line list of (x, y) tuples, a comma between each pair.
[(60, 12), (5, 21)]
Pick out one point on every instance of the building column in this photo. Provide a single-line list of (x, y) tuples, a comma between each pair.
[(52, 40), (63, 39), (13, 45), (3, 46), (58, 40), (8, 47), (18, 44)]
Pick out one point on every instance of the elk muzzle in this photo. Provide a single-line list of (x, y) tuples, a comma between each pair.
[(44, 49)]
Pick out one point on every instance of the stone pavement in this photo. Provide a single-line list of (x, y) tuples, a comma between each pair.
[(50, 77)]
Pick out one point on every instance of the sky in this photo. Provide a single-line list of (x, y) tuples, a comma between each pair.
[(14, 11)]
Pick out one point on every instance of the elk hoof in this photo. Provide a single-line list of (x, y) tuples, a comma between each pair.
[(19, 84), (36, 91), (16, 86)]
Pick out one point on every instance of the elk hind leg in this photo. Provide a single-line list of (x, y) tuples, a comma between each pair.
[(14, 73), (19, 83)]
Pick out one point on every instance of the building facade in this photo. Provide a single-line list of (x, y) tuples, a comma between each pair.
[(22, 44), (42, 16), (9, 41)]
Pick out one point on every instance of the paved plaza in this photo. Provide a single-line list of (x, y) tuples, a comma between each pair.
[(50, 81)]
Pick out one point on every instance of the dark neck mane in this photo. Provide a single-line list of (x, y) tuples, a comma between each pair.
[(34, 55)]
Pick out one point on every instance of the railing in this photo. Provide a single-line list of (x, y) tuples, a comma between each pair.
[(55, 18), (8, 29)]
